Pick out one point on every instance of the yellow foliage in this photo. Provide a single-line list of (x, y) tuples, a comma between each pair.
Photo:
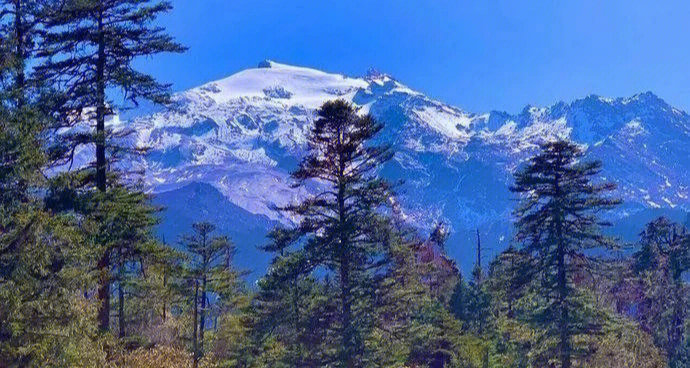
[(626, 346), (159, 357)]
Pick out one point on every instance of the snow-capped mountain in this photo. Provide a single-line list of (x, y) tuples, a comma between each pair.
[(241, 136)]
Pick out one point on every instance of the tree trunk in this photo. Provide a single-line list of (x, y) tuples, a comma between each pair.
[(104, 263), (562, 280), (677, 330), (348, 334), (104, 293), (100, 109), (121, 311), (564, 315), (20, 54), (196, 312), (165, 298), (202, 317), (121, 298)]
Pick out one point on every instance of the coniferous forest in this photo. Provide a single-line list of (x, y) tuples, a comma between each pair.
[(86, 282)]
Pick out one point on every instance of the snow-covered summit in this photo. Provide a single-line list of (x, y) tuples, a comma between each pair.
[(270, 80), (244, 134)]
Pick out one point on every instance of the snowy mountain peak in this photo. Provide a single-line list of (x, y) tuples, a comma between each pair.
[(373, 73), (244, 134), (273, 81), (266, 63), (647, 97)]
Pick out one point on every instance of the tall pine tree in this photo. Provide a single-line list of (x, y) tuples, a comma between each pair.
[(208, 268), (340, 224), (557, 221), (42, 260), (90, 47)]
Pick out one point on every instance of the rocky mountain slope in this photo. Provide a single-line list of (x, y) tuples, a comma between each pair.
[(240, 137)]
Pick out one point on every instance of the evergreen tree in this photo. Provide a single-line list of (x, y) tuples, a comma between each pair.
[(42, 262), (557, 221), (119, 223), (21, 25), (340, 223), (506, 280), (23, 97), (508, 290), (164, 289), (477, 271), (292, 308), (89, 48), (470, 303), (209, 267), (298, 314), (413, 326), (659, 264)]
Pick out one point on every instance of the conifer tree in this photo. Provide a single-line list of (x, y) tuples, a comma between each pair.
[(438, 271), (89, 48), (41, 257), (557, 220), (208, 268), (22, 96), (477, 271), (340, 223), (414, 326), (120, 223), (21, 25), (470, 303), (164, 284), (292, 308), (506, 280), (659, 264)]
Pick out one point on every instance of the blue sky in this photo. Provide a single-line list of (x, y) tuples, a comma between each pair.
[(477, 55)]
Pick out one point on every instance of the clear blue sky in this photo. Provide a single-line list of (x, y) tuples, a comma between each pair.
[(478, 55)]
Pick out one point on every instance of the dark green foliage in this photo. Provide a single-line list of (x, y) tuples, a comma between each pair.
[(664, 244), (43, 264), (413, 326), (209, 274), (507, 282), (297, 312), (123, 220), (21, 29), (88, 48), (23, 114), (340, 225), (43, 269), (659, 265), (557, 221), (470, 304)]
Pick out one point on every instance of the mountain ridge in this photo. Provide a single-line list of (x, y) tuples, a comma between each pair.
[(245, 133)]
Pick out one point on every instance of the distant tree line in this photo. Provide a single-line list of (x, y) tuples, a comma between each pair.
[(85, 282)]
